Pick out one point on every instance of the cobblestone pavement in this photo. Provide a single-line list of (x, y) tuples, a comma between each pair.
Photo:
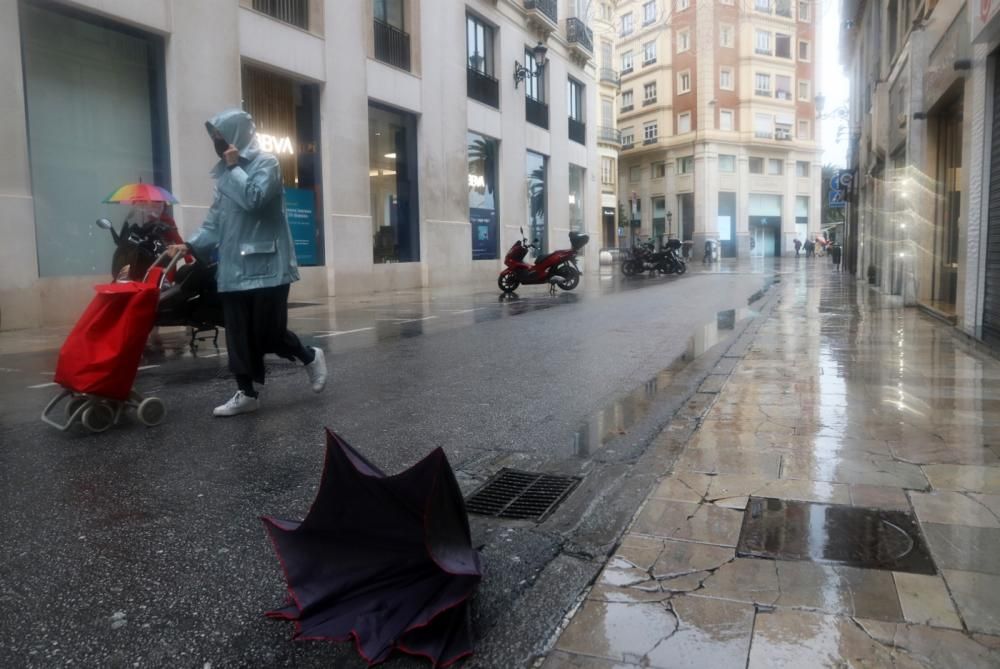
[(843, 399)]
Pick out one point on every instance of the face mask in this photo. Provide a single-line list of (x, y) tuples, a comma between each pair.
[(220, 145)]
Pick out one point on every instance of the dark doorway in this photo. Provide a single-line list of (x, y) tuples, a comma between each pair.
[(608, 227)]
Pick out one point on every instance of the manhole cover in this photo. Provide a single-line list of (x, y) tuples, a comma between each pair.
[(831, 533), (521, 495)]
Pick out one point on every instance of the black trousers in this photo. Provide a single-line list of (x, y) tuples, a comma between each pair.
[(257, 324)]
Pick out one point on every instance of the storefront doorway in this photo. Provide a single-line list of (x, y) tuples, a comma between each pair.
[(610, 233), (765, 237), (949, 190), (393, 178), (765, 225), (286, 114), (727, 224)]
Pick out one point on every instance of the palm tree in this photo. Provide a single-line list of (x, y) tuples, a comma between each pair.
[(536, 205), (483, 158)]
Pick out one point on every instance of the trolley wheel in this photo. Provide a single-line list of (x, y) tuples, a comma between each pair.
[(151, 411), (74, 405), (98, 417)]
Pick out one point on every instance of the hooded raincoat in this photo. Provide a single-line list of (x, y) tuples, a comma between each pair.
[(246, 222)]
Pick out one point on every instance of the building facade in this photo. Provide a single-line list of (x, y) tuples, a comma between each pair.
[(608, 136), (717, 117), (924, 214), (410, 152)]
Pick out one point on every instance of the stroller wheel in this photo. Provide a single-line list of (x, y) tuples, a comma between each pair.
[(74, 405), (98, 417), (151, 411)]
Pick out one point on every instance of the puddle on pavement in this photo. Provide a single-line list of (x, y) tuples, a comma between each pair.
[(621, 415), (779, 529)]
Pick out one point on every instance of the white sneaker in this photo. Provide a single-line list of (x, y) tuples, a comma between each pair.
[(317, 371), (239, 403)]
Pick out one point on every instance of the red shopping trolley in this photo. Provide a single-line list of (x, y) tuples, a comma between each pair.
[(99, 360)]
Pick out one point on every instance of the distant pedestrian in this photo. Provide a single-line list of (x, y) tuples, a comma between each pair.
[(810, 246), (247, 224), (798, 247)]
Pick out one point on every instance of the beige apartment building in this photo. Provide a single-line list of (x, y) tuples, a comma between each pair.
[(416, 137), (608, 137), (718, 120)]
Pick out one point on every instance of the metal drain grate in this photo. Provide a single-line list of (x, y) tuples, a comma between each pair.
[(521, 495)]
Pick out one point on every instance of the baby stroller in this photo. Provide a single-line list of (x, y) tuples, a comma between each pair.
[(100, 358)]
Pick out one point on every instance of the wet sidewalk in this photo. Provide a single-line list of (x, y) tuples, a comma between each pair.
[(838, 505)]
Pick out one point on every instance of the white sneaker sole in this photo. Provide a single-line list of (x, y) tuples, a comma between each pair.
[(220, 412)]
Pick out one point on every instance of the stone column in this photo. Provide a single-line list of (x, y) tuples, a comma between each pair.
[(742, 201), (19, 303), (203, 78), (788, 231), (348, 225)]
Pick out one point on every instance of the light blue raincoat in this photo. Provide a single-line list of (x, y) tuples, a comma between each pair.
[(246, 222)]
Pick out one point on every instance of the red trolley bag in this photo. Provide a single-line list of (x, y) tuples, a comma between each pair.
[(99, 360)]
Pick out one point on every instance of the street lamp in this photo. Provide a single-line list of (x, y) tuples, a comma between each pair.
[(521, 72)]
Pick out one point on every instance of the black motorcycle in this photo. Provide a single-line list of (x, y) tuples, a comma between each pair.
[(643, 257), (671, 262), (189, 295)]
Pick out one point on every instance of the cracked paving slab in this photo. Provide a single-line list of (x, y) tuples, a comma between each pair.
[(956, 508), (932, 647), (704, 523), (617, 630)]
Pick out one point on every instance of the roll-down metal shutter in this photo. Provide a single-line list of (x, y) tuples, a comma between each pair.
[(991, 298)]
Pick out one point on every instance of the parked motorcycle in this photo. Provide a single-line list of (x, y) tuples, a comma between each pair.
[(558, 268), (672, 263), (644, 258), (188, 295)]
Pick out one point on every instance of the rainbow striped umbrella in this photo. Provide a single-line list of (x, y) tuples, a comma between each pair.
[(140, 192)]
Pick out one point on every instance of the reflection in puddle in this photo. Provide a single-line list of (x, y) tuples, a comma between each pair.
[(617, 418), (715, 331), (834, 534)]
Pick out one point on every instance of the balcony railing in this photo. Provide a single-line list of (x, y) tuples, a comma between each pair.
[(536, 112), (609, 76), (648, 101), (295, 12), (763, 134), (546, 7), (483, 87), (626, 70), (392, 45), (625, 109), (627, 143), (577, 131), (650, 140), (577, 32), (609, 135)]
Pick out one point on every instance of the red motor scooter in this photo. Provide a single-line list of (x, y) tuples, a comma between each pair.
[(558, 268)]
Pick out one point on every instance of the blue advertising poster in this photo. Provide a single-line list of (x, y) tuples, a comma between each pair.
[(484, 233), (300, 207)]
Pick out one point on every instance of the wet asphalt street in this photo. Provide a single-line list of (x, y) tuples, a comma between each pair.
[(142, 546)]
